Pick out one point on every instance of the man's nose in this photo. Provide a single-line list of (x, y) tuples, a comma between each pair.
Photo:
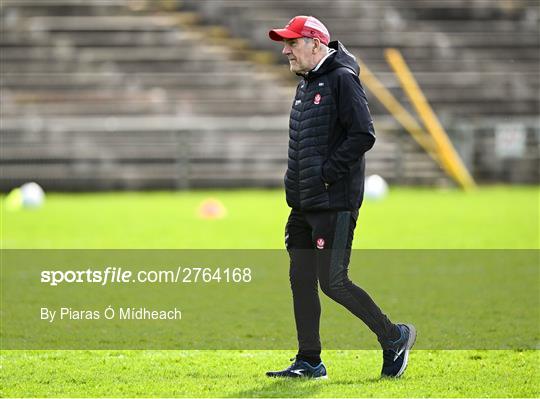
[(286, 50)]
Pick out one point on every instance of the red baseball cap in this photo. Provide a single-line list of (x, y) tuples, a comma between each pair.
[(301, 26)]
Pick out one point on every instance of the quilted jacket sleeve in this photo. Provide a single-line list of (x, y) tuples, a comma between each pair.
[(353, 114)]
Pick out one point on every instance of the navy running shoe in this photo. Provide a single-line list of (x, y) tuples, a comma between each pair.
[(299, 369), (396, 356)]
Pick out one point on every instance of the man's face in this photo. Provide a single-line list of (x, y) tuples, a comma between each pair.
[(300, 54)]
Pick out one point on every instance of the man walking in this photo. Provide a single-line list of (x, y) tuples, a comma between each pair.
[(330, 130)]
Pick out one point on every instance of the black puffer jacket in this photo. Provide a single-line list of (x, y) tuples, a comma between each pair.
[(330, 130)]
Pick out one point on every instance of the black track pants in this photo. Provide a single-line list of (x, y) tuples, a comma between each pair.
[(319, 246)]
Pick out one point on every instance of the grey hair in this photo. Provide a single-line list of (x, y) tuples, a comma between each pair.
[(324, 46)]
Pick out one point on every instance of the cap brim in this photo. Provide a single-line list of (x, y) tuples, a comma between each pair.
[(279, 34)]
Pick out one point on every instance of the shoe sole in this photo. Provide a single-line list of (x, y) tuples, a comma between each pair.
[(323, 377), (410, 343)]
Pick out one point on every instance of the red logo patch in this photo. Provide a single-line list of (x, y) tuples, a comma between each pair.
[(317, 99), (320, 243)]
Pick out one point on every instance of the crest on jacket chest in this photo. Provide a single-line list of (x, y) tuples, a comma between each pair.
[(313, 96)]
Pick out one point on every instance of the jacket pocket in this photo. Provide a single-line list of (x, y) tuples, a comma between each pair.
[(338, 193)]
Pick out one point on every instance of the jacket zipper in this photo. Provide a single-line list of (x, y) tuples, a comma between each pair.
[(302, 104)]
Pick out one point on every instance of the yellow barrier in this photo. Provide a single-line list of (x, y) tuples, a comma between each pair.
[(446, 151)]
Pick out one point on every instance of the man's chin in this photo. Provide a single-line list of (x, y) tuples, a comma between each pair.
[(294, 69)]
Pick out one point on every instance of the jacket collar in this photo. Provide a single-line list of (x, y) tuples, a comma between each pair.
[(310, 74), (328, 54)]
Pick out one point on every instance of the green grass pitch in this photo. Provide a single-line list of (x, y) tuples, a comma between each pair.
[(489, 218)]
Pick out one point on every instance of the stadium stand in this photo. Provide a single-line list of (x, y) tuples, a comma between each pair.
[(134, 94)]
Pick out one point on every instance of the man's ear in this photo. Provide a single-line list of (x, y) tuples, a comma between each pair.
[(316, 45)]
